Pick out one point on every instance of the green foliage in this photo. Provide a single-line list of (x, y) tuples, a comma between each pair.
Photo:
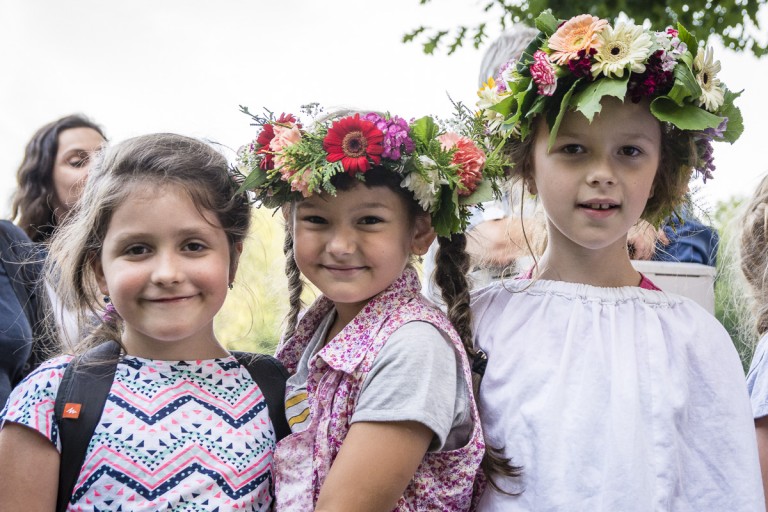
[(253, 312), (735, 22), (731, 308)]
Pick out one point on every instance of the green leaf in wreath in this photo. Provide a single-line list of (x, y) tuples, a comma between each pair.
[(483, 192), (687, 117), (735, 125), (587, 101)]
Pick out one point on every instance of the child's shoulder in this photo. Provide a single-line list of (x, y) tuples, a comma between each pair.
[(49, 373)]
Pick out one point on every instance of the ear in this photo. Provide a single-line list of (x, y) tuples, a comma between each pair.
[(530, 183), (423, 235), (234, 260), (98, 271), (287, 210)]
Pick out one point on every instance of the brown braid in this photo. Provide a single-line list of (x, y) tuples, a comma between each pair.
[(295, 285), (452, 267)]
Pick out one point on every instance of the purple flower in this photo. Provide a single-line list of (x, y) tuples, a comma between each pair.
[(501, 76), (581, 67), (706, 164), (396, 139), (717, 133), (655, 81)]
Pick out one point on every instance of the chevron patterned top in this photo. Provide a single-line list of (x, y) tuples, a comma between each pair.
[(174, 435)]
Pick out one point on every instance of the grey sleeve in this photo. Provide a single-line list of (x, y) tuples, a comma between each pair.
[(416, 377)]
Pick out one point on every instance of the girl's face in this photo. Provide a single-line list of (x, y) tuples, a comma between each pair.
[(596, 179), (73, 161), (352, 246), (166, 269)]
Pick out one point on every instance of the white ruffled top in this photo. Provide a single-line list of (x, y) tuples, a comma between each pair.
[(613, 399)]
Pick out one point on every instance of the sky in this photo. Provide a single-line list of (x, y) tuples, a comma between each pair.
[(185, 66)]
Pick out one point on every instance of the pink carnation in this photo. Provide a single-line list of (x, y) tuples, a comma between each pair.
[(543, 74), (468, 157), (284, 136)]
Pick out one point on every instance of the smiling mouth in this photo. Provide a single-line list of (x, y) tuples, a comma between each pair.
[(598, 206), (170, 299), (343, 270)]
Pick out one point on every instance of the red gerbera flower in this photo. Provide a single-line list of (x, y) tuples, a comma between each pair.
[(353, 141), (265, 137)]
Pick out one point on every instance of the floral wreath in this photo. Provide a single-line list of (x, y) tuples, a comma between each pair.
[(573, 64), (446, 171)]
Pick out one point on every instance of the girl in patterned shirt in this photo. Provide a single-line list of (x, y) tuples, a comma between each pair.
[(380, 398), (159, 232)]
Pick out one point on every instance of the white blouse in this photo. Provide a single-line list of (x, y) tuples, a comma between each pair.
[(613, 399)]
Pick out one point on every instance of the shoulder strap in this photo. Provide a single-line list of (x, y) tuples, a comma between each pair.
[(270, 376), (79, 404)]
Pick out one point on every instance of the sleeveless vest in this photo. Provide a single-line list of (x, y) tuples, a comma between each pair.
[(443, 480)]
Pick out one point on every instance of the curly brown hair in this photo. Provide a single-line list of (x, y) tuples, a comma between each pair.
[(753, 251)]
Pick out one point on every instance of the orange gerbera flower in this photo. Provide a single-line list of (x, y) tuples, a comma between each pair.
[(578, 33)]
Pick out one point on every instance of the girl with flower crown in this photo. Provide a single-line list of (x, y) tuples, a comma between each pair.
[(380, 399), (611, 394)]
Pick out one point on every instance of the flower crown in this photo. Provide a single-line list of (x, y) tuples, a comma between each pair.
[(572, 65), (446, 171)]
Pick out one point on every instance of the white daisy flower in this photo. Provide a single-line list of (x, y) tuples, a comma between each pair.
[(626, 46), (424, 188), (706, 69)]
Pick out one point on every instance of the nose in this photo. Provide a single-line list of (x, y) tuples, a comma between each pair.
[(167, 269), (601, 173), (341, 242)]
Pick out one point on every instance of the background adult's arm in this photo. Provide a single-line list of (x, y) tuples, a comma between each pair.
[(374, 466), (29, 472)]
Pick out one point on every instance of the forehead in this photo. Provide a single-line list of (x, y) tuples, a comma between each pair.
[(83, 138), (616, 118), (357, 196), (160, 203)]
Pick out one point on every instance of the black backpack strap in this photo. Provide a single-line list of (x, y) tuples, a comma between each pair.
[(270, 375), (79, 404)]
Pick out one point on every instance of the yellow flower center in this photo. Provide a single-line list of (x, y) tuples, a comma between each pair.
[(616, 51)]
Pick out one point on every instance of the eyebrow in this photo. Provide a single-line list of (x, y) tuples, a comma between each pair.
[(372, 204), (139, 235), (625, 135)]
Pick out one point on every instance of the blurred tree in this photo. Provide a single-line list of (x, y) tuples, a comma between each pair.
[(734, 21)]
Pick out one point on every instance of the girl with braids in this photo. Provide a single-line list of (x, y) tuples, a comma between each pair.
[(380, 398), (158, 233), (754, 266), (612, 394)]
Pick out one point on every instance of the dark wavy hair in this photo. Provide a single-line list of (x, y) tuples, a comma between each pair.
[(32, 202)]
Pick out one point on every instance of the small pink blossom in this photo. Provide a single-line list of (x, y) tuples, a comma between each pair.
[(448, 140), (543, 73), (284, 136), (300, 182)]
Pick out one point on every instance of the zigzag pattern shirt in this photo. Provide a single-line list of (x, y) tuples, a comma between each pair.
[(188, 435)]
